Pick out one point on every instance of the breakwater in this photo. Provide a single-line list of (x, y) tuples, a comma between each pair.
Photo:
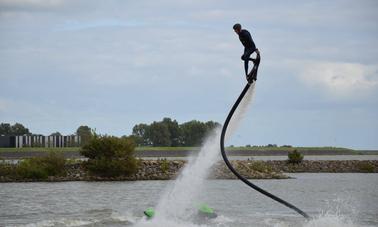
[(169, 169)]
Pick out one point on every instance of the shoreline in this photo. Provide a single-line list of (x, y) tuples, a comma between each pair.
[(169, 170), (162, 153)]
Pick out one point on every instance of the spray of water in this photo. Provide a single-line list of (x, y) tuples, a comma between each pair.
[(178, 201), (330, 220), (240, 111), (180, 198)]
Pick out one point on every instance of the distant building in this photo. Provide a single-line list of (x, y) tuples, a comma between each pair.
[(40, 141)]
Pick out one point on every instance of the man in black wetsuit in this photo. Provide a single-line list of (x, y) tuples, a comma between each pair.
[(249, 46)]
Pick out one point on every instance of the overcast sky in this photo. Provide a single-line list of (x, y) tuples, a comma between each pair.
[(113, 64)]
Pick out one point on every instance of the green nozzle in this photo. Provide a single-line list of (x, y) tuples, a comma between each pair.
[(205, 209), (149, 212)]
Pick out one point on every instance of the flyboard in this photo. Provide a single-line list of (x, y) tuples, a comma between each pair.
[(252, 77)]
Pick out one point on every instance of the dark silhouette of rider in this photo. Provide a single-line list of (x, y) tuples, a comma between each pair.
[(249, 46)]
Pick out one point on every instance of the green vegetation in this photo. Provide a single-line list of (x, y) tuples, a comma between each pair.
[(366, 167), (39, 168), (7, 170), (317, 150), (286, 148), (85, 134), (164, 165), (13, 130), (169, 133), (260, 166), (109, 156), (294, 157)]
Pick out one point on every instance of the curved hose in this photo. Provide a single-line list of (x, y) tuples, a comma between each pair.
[(224, 129)]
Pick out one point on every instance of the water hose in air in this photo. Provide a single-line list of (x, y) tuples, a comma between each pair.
[(252, 76)]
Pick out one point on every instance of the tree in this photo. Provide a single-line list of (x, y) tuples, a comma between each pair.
[(294, 157), (56, 134), (19, 130), (174, 131), (5, 129), (159, 134), (85, 134), (211, 125), (141, 135), (193, 132), (169, 133)]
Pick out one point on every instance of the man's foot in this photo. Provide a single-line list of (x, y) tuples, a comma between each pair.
[(251, 77)]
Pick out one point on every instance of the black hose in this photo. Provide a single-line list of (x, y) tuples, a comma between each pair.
[(225, 125)]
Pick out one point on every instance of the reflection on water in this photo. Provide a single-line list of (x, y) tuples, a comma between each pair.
[(339, 200)]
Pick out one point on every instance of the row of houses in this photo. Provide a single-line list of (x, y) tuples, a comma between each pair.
[(40, 141)]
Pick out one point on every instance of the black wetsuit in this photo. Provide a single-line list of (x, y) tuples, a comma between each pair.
[(249, 47)]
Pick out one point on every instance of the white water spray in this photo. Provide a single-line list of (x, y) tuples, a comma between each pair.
[(180, 198), (240, 111)]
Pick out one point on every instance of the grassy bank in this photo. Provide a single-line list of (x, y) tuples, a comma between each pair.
[(281, 149)]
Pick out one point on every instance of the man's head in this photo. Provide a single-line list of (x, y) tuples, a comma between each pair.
[(237, 28)]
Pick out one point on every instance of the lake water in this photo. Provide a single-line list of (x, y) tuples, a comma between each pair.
[(332, 199), (284, 157)]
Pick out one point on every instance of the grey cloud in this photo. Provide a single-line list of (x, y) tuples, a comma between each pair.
[(112, 64), (30, 5)]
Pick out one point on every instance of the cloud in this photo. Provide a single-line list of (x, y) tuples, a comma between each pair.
[(340, 79), (107, 63), (29, 4), (3, 105)]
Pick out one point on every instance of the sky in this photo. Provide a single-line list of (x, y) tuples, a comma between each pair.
[(117, 63)]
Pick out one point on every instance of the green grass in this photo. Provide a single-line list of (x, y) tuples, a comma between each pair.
[(325, 149), (288, 148), (262, 149)]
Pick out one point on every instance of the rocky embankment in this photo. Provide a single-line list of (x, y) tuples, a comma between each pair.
[(326, 166), (169, 169)]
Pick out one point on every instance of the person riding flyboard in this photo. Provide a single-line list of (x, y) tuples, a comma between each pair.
[(249, 48)]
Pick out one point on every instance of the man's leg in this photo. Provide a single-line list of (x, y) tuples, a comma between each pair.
[(246, 57), (246, 66)]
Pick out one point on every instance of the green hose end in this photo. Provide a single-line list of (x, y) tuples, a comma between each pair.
[(149, 212)]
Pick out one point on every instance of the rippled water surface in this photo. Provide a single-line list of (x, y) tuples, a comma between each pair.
[(332, 199)]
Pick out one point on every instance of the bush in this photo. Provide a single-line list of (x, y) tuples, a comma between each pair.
[(164, 165), (7, 170), (106, 167), (295, 157), (365, 167), (42, 167), (110, 156), (31, 169)]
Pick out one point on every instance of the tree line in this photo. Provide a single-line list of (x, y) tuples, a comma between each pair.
[(169, 133), (13, 130), (165, 133), (18, 129)]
